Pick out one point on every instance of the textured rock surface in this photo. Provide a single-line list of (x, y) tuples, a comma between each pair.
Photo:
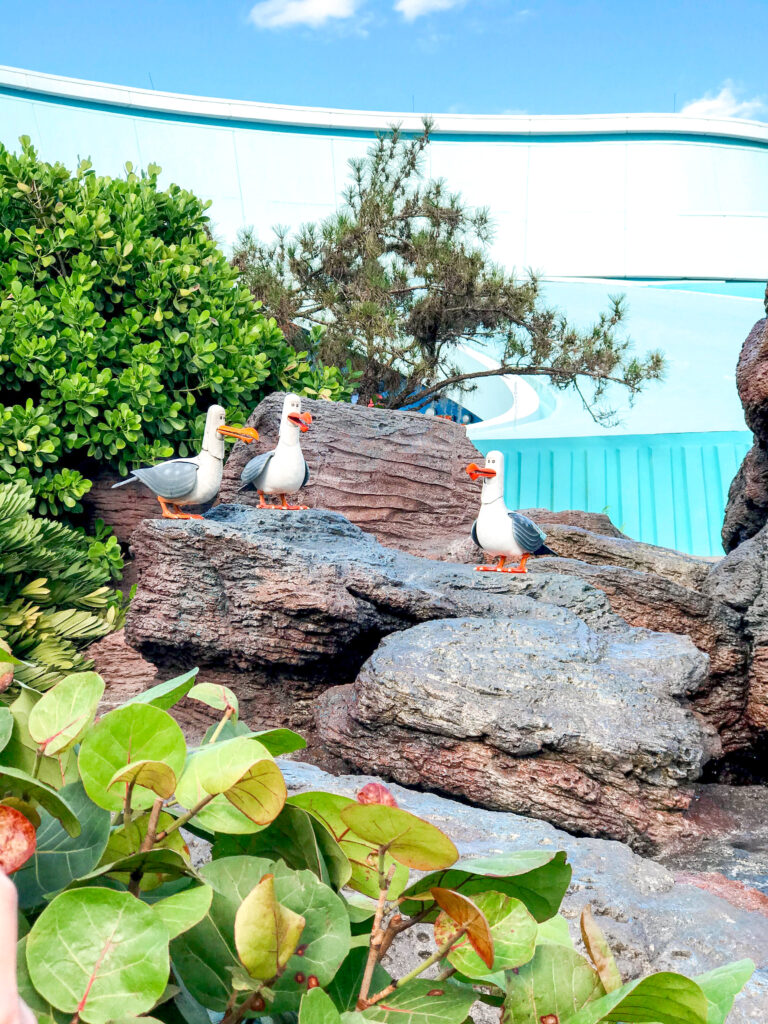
[(399, 475), (652, 922), (535, 713), (122, 509), (747, 508), (123, 668)]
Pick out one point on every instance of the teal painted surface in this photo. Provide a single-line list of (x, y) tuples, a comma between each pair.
[(667, 489)]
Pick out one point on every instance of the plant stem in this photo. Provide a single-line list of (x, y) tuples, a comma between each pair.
[(374, 950), (436, 956), (38, 761), (237, 1013), (154, 815), (127, 812), (227, 715), (184, 818)]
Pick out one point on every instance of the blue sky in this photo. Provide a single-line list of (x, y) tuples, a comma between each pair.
[(462, 56)]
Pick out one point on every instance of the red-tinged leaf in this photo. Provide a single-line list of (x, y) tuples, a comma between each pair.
[(17, 839), (463, 913), (376, 793)]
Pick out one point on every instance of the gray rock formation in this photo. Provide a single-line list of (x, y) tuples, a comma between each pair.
[(535, 713), (653, 922)]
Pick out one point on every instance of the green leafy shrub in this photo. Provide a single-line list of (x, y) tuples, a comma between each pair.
[(120, 323), (304, 895), (54, 598)]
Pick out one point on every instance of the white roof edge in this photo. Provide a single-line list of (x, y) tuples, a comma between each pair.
[(368, 120)]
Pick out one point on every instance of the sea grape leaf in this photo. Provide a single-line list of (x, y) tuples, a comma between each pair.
[(721, 986), (663, 998), (556, 983), (41, 1008), (96, 951), (326, 808), (461, 912), (206, 955), (60, 857), (410, 840), (513, 934), (17, 839), (19, 784), (296, 838), (599, 951), (53, 771), (224, 731), (184, 909), (6, 726), (63, 714), (154, 775), (281, 741), (259, 793), (153, 866), (538, 878), (345, 986), (166, 694), (215, 696), (555, 930), (317, 1008), (125, 842), (266, 933), (424, 1002), (135, 732)]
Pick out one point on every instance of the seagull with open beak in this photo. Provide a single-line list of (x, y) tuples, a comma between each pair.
[(282, 471), (193, 481), (498, 531)]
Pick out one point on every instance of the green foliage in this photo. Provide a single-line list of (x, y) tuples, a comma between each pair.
[(54, 598), (120, 323), (119, 924), (400, 277)]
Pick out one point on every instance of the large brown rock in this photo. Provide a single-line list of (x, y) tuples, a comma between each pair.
[(283, 606), (122, 508), (747, 509), (398, 475), (752, 379)]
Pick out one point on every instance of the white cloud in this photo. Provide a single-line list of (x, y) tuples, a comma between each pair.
[(412, 9), (725, 103), (287, 13)]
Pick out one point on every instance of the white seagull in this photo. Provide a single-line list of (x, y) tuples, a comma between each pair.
[(282, 471), (498, 531), (192, 481)]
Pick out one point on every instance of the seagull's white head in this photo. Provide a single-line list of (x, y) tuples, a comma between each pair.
[(293, 420), (492, 475)]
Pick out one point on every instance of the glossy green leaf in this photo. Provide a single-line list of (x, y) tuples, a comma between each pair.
[(152, 866), (63, 714), (281, 741), (513, 934), (154, 775), (165, 695), (136, 732), (663, 998), (326, 808), (20, 750), (721, 986), (266, 933), (345, 986), (125, 842), (184, 909), (215, 696), (410, 840), (119, 959), (226, 731), (42, 1009), (19, 784), (6, 725), (460, 912), (557, 983), (206, 954), (539, 879), (556, 930), (60, 857), (317, 1008), (424, 1002), (7, 658), (214, 768), (259, 793)]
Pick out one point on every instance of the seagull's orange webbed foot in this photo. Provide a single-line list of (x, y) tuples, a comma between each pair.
[(181, 514), (167, 514), (265, 504), (285, 507), (499, 567), (518, 568)]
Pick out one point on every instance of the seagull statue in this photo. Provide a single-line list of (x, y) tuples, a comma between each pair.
[(282, 471), (192, 481), (498, 531)]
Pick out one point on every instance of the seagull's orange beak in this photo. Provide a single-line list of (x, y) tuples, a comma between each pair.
[(475, 471), (301, 420), (247, 434)]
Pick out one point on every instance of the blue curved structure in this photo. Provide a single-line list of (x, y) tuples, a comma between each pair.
[(670, 210)]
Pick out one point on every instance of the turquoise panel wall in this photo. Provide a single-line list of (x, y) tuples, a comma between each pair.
[(667, 489)]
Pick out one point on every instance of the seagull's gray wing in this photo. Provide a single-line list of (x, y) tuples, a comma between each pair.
[(305, 481), (254, 468), (170, 480), (527, 533), (474, 534)]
